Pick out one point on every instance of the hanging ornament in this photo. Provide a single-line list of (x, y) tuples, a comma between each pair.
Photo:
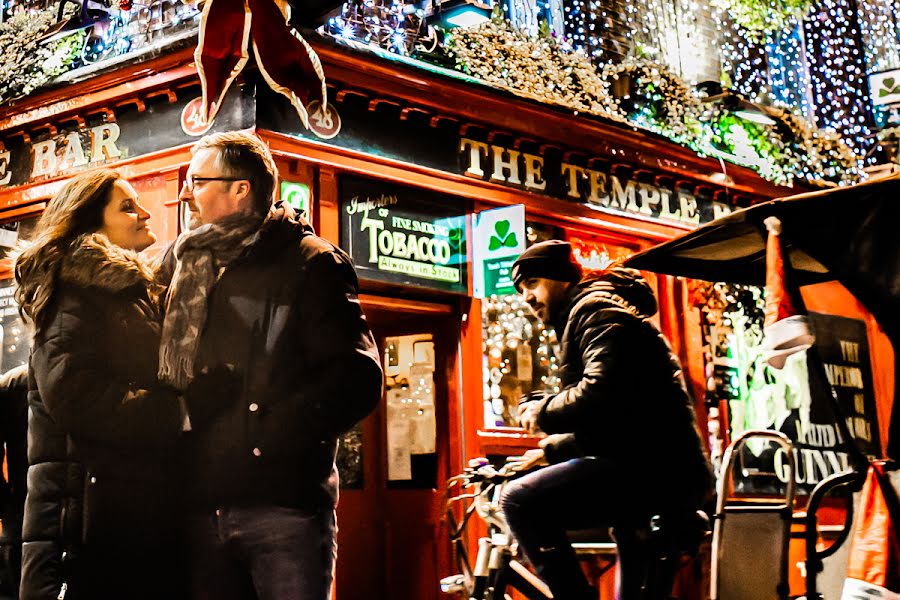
[(286, 61)]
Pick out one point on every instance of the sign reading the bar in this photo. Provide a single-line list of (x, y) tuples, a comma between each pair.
[(499, 240), (403, 235), (101, 140)]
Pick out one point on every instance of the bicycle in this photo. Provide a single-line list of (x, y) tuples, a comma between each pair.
[(652, 550), (495, 568)]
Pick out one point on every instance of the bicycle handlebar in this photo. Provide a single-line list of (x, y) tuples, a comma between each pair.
[(481, 471)]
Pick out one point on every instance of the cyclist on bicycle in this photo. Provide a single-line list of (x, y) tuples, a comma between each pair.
[(625, 444)]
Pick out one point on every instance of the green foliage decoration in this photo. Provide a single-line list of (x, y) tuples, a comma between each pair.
[(752, 144), (26, 64), (656, 99), (760, 18)]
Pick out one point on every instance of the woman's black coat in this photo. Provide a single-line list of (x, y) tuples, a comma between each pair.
[(100, 432)]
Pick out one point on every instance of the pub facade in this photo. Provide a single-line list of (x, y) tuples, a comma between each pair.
[(433, 184)]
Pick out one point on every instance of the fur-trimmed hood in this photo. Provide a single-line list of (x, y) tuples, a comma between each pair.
[(95, 262)]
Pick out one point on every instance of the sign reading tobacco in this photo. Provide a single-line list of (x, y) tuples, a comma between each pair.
[(403, 235)]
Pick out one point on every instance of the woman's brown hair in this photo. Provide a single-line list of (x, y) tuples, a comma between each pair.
[(75, 211)]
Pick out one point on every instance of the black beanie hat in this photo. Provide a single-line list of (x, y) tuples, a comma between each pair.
[(550, 260)]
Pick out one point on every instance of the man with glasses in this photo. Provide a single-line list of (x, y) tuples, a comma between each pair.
[(264, 333)]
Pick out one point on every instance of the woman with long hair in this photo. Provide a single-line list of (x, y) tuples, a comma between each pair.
[(99, 510)]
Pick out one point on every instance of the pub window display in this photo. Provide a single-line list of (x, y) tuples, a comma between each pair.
[(520, 352), (744, 392), (519, 357), (14, 334)]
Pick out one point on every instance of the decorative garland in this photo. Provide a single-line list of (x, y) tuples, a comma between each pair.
[(538, 68), (760, 18), (657, 99), (821, 154), (650, 96)]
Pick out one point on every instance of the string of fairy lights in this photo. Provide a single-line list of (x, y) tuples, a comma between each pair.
[(838, 72), (743, 60), (880, 22), (816, 66), (831, 89), (790, 86)]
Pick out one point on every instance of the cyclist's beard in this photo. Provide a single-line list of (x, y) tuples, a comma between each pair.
[(554, 307)]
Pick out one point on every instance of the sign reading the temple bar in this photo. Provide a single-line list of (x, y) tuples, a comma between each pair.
[(594, 187), (524, 165), (403, 235)]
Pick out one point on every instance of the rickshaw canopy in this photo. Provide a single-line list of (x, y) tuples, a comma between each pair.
[(849, 234)]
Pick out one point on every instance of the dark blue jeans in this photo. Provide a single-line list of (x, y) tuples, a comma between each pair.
[(540, 507), (262, 553)]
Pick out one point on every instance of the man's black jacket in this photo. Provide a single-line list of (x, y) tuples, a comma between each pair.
[(623, 397), (285, 319)]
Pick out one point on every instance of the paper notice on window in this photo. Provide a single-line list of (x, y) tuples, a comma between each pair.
[(423, 430), (398, 438), (422, 424)]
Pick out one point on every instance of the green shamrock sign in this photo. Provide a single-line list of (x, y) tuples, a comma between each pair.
[(889, 86), (503, 238)]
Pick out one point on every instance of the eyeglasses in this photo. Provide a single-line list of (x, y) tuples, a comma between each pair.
[(192, 180)]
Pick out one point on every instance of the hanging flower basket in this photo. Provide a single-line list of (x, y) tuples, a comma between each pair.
[(649, 94)]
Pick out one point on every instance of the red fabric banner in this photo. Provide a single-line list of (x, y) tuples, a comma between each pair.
[(288, 64), (874, 567)]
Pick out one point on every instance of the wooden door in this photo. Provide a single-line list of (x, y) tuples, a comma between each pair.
[(391, 543)]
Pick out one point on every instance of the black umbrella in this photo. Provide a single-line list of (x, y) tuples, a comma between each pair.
[(850, 234)]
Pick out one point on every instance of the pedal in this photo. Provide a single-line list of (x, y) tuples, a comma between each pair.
[(454, 584)]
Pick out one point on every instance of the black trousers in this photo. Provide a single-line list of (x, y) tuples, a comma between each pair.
[(582, 493)]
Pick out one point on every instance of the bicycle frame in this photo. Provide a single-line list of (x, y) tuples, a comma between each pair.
[(495, 568)]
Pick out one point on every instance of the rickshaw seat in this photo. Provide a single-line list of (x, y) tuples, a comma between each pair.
[(751, 539)]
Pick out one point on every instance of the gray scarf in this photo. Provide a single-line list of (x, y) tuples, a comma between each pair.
[(201, 256)]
